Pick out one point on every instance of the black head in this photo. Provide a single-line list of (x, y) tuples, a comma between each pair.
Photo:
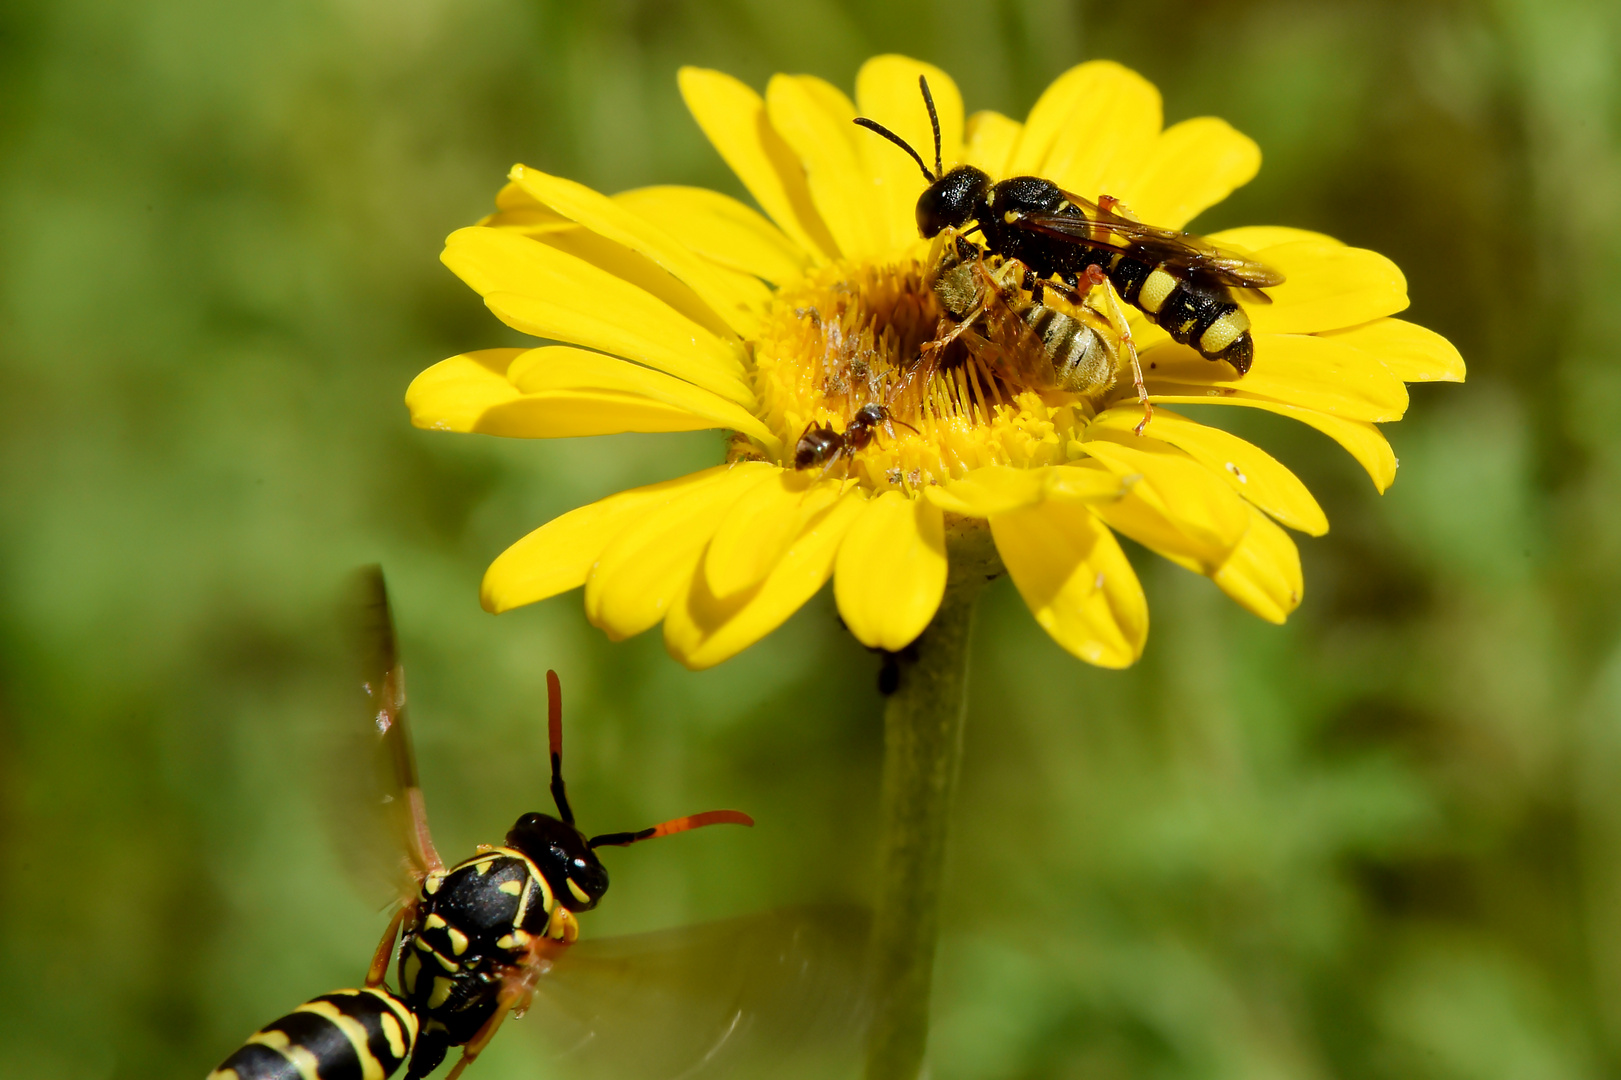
[(952, 199), (564, 856), (816, 446)]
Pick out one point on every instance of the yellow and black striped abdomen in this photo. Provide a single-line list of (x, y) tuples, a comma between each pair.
[(1202, 314), (344, 1035)]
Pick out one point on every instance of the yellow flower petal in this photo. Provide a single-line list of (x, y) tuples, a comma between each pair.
[(1327, 285), (1075, 580), (559, 369), (517, 211), (989, 142), (1263, 574), (887, 91), (561, 392), (559, 555), (1410, 352), (1255, 239), (758, 528), (721, 229), (1190, 167), (891, 571), (737, 299), (1249, 470), (571, 414), (815, 118), (996, 489), (1300, 369), (1090, 130), (545, 292), (642, 571), (454, 393), (1177, 508), (733, 118), (702, 630), (1361, 440)]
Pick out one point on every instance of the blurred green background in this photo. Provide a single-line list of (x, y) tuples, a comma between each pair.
[(1383, 841)]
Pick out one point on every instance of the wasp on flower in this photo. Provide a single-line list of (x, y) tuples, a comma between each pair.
[(681, 309)]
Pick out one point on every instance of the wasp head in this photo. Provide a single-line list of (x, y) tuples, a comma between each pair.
[(563, 856), (952, 201)]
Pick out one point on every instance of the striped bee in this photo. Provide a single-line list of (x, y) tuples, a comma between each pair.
[(484, 937), (1027, 342), (1178, 280)]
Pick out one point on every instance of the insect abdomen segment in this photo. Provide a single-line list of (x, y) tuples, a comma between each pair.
[(344, 1035), (1081, 362)]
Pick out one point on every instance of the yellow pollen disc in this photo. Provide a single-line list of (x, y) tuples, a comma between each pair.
[(852, 335)]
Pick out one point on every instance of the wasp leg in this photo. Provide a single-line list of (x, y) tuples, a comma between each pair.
[(385, 948), (517, 988), (1116, 208), (475, 1046), (1116, 315)]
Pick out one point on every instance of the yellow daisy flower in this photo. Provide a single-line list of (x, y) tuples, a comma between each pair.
[(684, 309)]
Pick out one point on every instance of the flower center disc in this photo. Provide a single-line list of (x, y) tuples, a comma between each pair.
[(851, 335)]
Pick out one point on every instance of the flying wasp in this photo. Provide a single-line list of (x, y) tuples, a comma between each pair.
[(1178, 280), (483, 937)]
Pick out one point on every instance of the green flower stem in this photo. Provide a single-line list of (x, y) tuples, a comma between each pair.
[(923, 730)]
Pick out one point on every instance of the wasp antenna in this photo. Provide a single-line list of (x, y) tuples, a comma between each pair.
[(934, 122), (554, 731), (680, 824), (873, 125)]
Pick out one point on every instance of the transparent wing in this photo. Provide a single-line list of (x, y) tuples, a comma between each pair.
[(1009, 346), (379, 814), (780, 994), (1186, 251)]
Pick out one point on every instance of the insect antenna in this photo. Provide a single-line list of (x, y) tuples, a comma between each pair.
[(680, 824), (934, 122), (873, 125), (554, 730)]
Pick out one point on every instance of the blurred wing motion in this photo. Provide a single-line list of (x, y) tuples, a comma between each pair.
[(1149, 243), (780, 994), (380, 813)]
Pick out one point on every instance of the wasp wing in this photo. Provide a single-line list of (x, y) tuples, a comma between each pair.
[(380, 818), (781, 994), (1150, 243), (1009, 346)]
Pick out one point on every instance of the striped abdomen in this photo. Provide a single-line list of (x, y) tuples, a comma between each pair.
[(1201, 314), (344, 1035), (1082, 361)]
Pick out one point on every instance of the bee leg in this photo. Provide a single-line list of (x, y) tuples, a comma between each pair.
[(940, 341), (385, 947), (1122, 328)]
